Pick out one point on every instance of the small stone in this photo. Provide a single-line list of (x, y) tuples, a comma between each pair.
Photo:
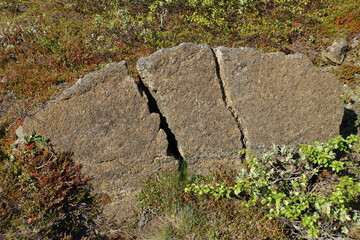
[(354, 42), (337, 51)]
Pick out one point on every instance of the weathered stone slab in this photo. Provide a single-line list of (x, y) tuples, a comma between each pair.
[(105, 122), (214, 105), (184, 82), (283, 100)]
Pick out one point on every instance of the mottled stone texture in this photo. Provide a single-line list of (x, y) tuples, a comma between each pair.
[(105, 121), (214, 102), (280, 99), (184, 82)]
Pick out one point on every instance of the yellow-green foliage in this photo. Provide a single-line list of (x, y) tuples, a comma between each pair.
[(187, 216), (316, 192), (46, 43), (221, 13)]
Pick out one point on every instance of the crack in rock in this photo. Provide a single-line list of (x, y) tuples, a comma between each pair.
[(279, 99), (153, 108), (228, 103), (105, 121), (184, 82)]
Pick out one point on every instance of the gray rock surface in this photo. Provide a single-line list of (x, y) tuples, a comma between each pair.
[(184, 82), (215, 102), (337, 51), (105, 122), (283, 100)]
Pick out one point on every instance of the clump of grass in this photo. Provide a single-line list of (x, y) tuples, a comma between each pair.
[(347, 74), (187, 216)]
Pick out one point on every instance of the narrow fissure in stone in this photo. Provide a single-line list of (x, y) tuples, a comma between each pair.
[(226, 102), (172, 149)]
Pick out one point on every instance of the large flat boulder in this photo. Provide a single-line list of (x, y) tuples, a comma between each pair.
[(282, 100), (209, 104), (185, 84), (105, 121)]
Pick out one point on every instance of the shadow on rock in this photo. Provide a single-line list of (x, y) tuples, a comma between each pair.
[(348, 124)]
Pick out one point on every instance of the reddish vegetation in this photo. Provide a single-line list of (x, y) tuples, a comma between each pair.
[(47, 192)]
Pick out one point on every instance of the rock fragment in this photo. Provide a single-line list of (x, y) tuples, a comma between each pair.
[(337, 51), (184, 82), (105, 122), (282, 100)]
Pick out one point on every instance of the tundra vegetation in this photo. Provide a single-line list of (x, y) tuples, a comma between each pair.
[(46, 45)]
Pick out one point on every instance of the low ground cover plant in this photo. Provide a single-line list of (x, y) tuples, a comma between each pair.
[(46, 44), (178, 215), (43, 194), (315, 193)]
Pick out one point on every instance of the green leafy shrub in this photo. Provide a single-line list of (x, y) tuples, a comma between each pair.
[(221, 13), (43, 194), (315, 193)]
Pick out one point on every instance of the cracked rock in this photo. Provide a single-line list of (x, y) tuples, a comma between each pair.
[(282, 100), (212, 103), (184, 82), (105, 122)]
